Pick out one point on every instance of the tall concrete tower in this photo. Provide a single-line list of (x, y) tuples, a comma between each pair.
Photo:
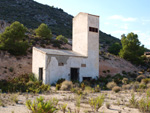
[(86, 39), (86, 34)]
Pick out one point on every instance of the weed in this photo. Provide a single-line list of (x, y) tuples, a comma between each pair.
[(41, 106), (14, 98), (133, 101), (97, 102), (63, 107)]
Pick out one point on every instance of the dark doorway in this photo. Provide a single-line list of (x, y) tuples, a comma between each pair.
[(87, 78), (74, 74), (40, 74)]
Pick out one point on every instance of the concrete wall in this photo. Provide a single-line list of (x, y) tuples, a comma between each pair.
[(80, 34), (93, 45), (38, 61), (55, 72)]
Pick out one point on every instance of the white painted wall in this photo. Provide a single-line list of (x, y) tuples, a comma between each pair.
[(38, 61), (80, 34)]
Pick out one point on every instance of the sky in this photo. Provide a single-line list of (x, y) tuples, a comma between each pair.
[(117, 17)]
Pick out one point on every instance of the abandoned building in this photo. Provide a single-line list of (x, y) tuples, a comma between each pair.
[(81, 63)]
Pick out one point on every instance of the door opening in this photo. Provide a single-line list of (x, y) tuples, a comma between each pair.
[(40, 74), (74, 74)]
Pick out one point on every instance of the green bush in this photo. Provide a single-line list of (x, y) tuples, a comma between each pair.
[(24, 83), (62, 39), (43, 31), (41, 106), (12, 39), (115, 48)]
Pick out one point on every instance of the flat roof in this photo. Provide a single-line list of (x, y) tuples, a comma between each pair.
[(59, 52)]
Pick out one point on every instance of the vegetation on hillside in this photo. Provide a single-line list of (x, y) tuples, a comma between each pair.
[(115, 48), (32, 14), (132, 50), (12, 39), (43, 31)]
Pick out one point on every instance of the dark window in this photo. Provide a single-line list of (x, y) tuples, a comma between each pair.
[(92, 29), (61, 64), (83, 65), (40, 74), (87, 78)]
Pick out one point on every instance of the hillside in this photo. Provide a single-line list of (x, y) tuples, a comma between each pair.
[(32, 14)]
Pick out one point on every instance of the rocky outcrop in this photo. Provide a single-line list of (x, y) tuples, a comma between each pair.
[(3, 25), (111, 65)]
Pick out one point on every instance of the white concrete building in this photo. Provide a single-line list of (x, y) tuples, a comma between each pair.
[(81, 63)]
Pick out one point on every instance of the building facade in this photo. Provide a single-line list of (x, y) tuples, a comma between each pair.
[(81, 63)]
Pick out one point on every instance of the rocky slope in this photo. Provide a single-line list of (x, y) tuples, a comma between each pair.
[(32, 14)]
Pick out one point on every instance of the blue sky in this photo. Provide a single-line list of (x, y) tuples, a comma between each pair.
[(117, 17)]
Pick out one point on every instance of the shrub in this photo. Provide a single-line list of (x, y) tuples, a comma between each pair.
[(145, 81), (143, 105), (41, 106), (135, 86), (126, 87), (133, 101), (117, 78), (11, 69), (23, 83), (110, 85), (62, 39), (88, 89), (56, 43), (12, 39), (116, 89), (63, 107), (140, 77), (58, 86), (142, 86), (66, 85), (97, 88), (82, 86), (43, 31), (60, 81), (97, 102), (125, 80), (78, 102), (14, 98)]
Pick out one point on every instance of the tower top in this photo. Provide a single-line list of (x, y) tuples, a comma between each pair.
[(81, 13)]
